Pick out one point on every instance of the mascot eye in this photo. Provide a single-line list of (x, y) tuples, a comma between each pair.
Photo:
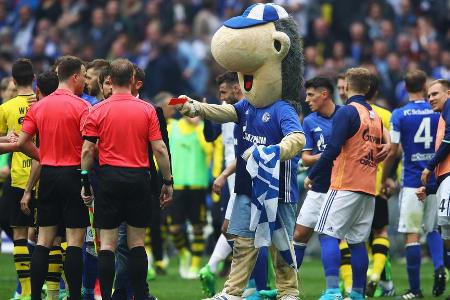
[(277, 45)]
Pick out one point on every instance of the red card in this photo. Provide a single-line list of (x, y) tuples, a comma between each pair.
[(176, 101)]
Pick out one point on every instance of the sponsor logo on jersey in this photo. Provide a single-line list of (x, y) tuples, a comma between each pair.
[(368, 160), (260, 140), (422, 156), (370, 138)]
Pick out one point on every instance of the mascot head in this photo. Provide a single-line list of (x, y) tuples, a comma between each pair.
[(263, 47)]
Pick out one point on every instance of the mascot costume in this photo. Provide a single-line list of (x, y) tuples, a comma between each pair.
[(263, 47)]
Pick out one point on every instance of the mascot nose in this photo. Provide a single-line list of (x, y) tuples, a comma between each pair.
[(237, 50)]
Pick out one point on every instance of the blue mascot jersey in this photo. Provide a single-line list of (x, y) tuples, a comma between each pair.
[(318, 133), (414, 126), (267, 126)]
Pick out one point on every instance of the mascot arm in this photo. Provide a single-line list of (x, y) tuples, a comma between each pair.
[(218, 113), (291, 145)]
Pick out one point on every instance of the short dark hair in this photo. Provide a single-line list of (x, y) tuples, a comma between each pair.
[(415, 81), (374, 86), (122, 71), (22, 72), (321, 82), (104, 73), (229, 78), (68, 66), (47, 82), (139, 74), (97, 64)]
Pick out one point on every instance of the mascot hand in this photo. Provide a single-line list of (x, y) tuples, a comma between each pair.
[(191, 108)]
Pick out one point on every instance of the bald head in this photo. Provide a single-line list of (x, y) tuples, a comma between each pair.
[(121, 72)]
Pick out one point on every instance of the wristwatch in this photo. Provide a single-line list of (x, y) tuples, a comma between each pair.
[(168, 181)]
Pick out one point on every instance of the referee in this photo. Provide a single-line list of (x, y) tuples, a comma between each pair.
[(124, 126), (58, 119)]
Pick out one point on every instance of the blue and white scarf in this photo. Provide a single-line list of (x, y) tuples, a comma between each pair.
[(263, 166)]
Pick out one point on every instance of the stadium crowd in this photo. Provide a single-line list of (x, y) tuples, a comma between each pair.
[(170, 40)]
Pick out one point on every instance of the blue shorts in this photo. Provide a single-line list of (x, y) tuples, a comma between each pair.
[(240, 217)]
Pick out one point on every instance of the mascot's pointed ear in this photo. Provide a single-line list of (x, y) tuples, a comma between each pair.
[(281, 44)]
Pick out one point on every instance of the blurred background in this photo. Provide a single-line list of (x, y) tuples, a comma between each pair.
[(170, 39)]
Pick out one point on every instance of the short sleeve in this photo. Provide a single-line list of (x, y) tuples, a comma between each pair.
[(395, 126), (29, 124), (154, 132), (89, 127), (308, 135), (289, 120), (3, 123), (84, 117), (240, 107)]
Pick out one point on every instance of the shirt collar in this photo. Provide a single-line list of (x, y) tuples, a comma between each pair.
[(63, 91), (325, 117), (359, 99)]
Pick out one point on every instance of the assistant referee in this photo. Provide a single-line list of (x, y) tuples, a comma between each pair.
[(123, 126), (58, 118)]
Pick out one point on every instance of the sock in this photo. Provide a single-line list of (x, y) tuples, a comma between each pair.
[(260, 270), (39, 268), (55, 266), (220, 253), (22, 263), (73, 267), (179, 241), (106, 272), (198, 247), (31, 245), (299, 249), (331, 259), (436, 248), (413, 266), (380, 249), (138, 271), (346, 267), (360, 264), (89, 270)]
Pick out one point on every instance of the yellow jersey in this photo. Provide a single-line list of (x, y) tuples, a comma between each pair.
[(385, 116), (12, 114)]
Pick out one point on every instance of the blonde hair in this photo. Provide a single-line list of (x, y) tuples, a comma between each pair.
[(358, 80)]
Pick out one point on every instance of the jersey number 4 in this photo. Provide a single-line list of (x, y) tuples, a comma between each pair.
[(423, 134), (444, 206)]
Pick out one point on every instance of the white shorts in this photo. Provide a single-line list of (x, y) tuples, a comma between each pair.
[(443, 202), (347, 215), (309, 213), (415, 215)]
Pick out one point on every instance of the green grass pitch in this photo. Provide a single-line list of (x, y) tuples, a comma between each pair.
[(172, 287)]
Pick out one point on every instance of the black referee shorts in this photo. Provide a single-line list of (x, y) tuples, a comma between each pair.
[(187, 205), (16, 217), (124, 194), (59, 198), (381, 214)]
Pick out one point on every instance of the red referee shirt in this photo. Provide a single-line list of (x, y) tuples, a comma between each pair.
[(58, 118), (124, 125)]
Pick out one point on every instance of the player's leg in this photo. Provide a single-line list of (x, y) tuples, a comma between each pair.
[(20, 223), (122, 282), (410, 223), (90, 266), (329, 242), (156, 238), (306, 221), (345, 269), (435, 243), (106, 260), (357, 236), (380, 243), (138, 260), (55, 266), (176, 218), (197, 217)]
